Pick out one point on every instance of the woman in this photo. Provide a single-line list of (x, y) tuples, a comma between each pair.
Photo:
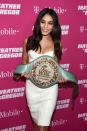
[(44, 41)]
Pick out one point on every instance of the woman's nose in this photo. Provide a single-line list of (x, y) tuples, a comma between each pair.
[(46, 25)]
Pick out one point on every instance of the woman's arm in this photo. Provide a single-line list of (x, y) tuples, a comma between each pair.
[(55, 57), (24, 57), (61, 79), (24, 54)]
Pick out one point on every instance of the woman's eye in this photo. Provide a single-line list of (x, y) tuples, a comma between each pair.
[(42, 22), (51, 23)]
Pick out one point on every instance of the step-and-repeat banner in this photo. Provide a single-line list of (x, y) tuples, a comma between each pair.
[(17, 18)]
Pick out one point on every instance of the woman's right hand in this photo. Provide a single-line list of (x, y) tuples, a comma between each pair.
[(26, 75)]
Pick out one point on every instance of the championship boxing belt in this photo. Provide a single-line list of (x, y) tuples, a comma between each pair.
[(45, 72)]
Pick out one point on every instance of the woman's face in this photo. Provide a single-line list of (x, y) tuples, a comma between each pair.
[(46, 25)]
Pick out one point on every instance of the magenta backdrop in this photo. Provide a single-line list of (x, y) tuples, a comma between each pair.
[(17, 18)]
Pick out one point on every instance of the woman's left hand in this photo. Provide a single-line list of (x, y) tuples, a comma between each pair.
[(26, 75), (62, 80)]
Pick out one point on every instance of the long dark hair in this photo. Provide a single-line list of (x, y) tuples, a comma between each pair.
[(34, 40)]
